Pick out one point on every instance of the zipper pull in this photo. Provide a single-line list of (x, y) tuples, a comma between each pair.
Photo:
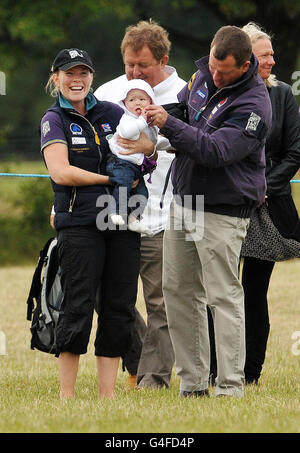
[(97, 139), (72, 200), (197, 117)]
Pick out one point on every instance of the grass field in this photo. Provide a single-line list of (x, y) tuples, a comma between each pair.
[(29, 401)]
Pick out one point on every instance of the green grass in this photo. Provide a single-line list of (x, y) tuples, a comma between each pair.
[(29, 401)]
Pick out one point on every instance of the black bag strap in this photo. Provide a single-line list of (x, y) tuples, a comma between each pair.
[(44, 306), (36, 284), (165, 185), (180, 111)]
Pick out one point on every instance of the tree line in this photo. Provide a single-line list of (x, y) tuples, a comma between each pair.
[(31, 33)]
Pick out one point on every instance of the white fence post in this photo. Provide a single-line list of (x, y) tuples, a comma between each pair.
[(2, 343), (2, 83)]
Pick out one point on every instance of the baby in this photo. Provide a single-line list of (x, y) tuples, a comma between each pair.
[(122, 169)]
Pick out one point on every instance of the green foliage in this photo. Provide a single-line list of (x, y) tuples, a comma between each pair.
[(35, 198), (25, 227), (234, 8), (48, 20), (31, 33)]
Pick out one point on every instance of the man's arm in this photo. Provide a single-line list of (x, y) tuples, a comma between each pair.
[(230, 143)]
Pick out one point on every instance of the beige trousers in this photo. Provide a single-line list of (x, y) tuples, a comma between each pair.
[(157, 356), (201, 261)]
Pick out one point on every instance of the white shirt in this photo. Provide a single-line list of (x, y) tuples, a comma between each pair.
[(165, 93)]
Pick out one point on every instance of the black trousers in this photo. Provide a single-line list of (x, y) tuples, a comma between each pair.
[(104, 263), (255, 280), (132, 357)]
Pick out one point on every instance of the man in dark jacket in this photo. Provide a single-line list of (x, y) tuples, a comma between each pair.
[(218, 179)]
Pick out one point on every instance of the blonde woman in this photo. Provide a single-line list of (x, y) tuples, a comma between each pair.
[(274, 231), (75, 150)]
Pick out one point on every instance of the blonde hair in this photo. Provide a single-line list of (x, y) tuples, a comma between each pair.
[(255, 32), (147, 33), (50, 87)]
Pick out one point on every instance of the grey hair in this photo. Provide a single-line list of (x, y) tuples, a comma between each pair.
[(255, 32)]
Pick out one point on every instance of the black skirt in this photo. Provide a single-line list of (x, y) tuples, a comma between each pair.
[(274, 231)]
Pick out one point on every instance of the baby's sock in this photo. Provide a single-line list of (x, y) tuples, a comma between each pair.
[(138, 226), (117, 219)]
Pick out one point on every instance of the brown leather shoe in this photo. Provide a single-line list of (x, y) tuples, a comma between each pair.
[(131, 381)]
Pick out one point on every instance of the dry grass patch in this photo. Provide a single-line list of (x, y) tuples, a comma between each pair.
[(29, 385)]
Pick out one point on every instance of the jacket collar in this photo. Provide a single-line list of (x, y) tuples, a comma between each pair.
[(90, 102)]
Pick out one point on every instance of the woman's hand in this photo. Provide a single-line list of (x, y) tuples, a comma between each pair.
[(135, 183), (115, 181), (142, 145)]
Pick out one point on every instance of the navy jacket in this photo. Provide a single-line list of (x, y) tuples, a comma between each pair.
[(76, 206), (221, 151)]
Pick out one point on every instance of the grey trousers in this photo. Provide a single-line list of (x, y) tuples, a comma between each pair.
[(157, 356), (201, 261)]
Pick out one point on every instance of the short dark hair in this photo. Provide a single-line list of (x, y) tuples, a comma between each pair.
[(231, 40)]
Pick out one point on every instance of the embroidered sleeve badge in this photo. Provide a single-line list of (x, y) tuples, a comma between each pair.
[(253, 122), (45, 128), (106, 127)]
